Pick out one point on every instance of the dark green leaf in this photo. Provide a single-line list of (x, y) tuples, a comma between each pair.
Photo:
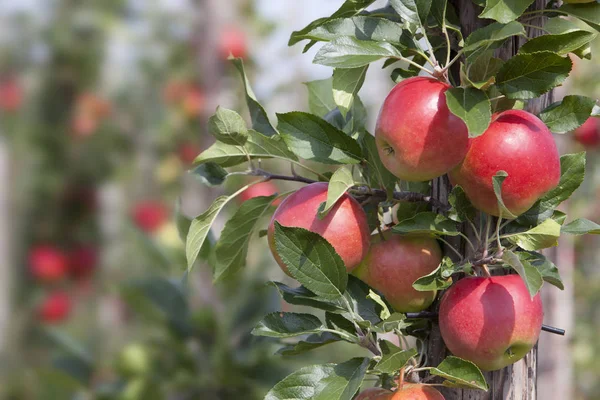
[(360, 27), (340, 182), (232, 247), (581, 226), (312, 261), (347, 52), (539, 237), (472, 106), (210, 174), (393, 357), (526, 76), (504, 10), (462, 209), (200, 227), (482, 72), (357, 294), (490, 37), (589, 13), (346, 84), (301, 296), (414, 11), (312, 138), (460, 373), (497, 181), (228, 127), (545, 267), (569, 114), (258, 115), (560, 44), (285, 325), (322, 382), (376, 174), (530, 275), (428, 223), (320, 97), (437, 279), (310, 343)]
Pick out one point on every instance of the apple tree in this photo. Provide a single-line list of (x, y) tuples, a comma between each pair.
[(419, 240)]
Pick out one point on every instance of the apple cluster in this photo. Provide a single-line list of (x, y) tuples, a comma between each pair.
[(491, 321)]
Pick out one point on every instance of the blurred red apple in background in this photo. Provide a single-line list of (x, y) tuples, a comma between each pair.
[(193, 102), (11, 94), (149, 215), (55, 308), (233, 42), (188, 151), (82, 261), (588, 134), (48, 263), (260, 189), (173, 91)]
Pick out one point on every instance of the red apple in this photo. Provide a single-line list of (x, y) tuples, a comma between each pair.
[(84, 125), (516, 142), (193, 102), (150, 215), (345, 227), (233, 42), (55, 308), (174, 91), (394, 264), (588, 134), (492, 322), (11, 95), (260, 189), (48, 263), (417, 137), (417, 392), (83, 261), (375, 394), (188, 151)]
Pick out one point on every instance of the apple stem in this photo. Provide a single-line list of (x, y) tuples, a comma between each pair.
[(486, 271), (401, 377)]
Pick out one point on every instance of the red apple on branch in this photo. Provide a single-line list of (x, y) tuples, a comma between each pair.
[(519, 143), (193, 102), (82, 261), (417, 136), (55, 308), (345, 227), (233, 42), (417, 392), (588, 134), (11, 95), (188, 151), (260, 189), (48, 263), (150, 215), (492, 322), (394, 264)]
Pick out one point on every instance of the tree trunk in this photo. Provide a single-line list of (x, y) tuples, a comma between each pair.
[(6, 265), (518, 381)]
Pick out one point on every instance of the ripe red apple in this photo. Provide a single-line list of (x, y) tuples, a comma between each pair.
[(260, 189), (417, 137), (188, 151), (55, 308), (11, 95), (417, 392), (394, 264), (48, 263), (588, 134), (375, 394), (150, 215), (233, 42), (492, 322), (345, 227), (193, 102), (519, 143), (83, 261), (174, 91)]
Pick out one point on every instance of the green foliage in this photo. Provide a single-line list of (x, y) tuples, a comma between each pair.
[(472, 106)]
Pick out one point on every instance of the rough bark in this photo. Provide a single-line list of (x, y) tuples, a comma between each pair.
[(518, 381)]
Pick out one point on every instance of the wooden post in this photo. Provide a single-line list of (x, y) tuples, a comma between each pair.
[(518, 381)]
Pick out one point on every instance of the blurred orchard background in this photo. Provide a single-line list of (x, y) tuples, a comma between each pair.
[(103, 107)]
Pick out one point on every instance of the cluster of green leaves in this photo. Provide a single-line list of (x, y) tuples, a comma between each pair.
[(334, 134)]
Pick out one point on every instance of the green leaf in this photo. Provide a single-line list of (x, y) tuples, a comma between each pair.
[(436, 280), (360, 27), (460, 373), (200, 227), (340, 182), (312, 260), (348, 9), (396, 321), (210, 174), (346, 84), (312, 138), (572, 173), (545, 267), (348, 52), (312, 342), (228, 127), (285, 325), (427, 223), (462, 209), (257, 146), (530, 275), (414, 11), (540, 237), (482, 72), (320, 97), (560, 44), (376, 174), (569, 114), (589, 13), (393, 357), (357, 294), (232, 247), (526, 76), (385, 311), (472, 106), (497, 181), (258, 115), (581, 226), (490, 37), (322, 382), (301, 296), (504, 10)]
